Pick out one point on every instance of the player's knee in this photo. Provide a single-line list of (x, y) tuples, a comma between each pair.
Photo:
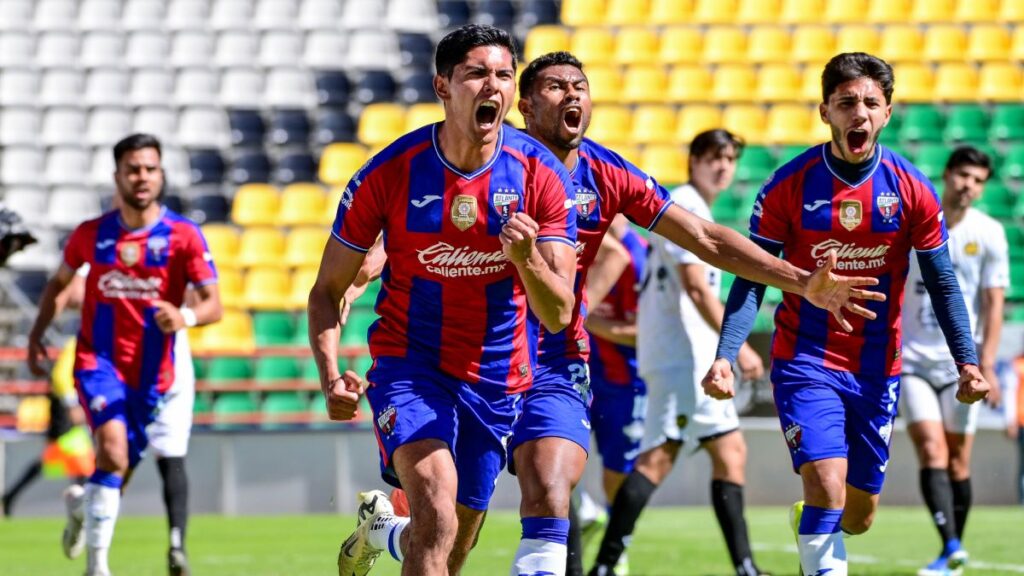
[(434, 527), (657, 462), (545, 494), (932, 452), (959, 468), (857, 522), (112, 455)]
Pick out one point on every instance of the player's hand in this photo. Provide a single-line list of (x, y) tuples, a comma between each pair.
[(972, 386), (168, 317), (995, 395), (718, 383), (750, 363), (834, 293), (342, 396), (518, 237), (36, 354)]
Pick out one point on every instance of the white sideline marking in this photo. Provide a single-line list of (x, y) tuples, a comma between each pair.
[(865, 559)]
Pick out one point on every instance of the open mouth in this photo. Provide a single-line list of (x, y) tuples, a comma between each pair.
[(487, 114), (857, 140), (572, 118)]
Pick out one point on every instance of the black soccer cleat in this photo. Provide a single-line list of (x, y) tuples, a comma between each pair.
[(177, 562)]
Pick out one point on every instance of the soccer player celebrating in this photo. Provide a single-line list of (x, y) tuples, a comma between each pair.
[(479, 238), (141, 257), (836, 391), (941, 428)]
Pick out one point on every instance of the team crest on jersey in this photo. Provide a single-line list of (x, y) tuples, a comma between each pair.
[(971, 249), (156, 245), (586, 202), (794, 433), (506, 202), (463, 211), (130, 253), (386, 420), (850, 214), (888, 204)]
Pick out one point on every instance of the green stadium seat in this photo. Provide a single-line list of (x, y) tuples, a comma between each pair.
[(274, 368), (369, 298), (301, 334), (230, 404), (310, 372), (202, 404), (1014, 314), (787, 153), (773, 296), (891, 133), (362, 365), (273, 328), (1013, 162), (198, 367), (755, 164), (727, 280), (1016, 291), (279, 407), (359, 321), (726, 206), (931, 160), (922, 123), (966, 123), (1007, 122), (765, 321), (228, 368), (997, 201)]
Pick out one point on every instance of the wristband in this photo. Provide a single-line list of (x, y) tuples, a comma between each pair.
[(189, 316)]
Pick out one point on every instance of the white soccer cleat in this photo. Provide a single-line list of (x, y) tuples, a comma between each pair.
[(73, 538), (370, 503), (357, 556), (957, 560)]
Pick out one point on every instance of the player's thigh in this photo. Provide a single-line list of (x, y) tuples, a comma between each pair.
[(871, 412), (617, 415), (666, 398), (143, 405), (919, 401), (957, 417), (485, 417), (811, 411), (427, 473), (104, 398), (728, 452), (171, 429)]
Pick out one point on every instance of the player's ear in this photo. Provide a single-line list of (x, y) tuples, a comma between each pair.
[(441, 87), (888, 114), (823, 111), (524, 107)]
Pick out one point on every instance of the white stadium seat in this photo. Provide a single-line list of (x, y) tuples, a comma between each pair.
[(61, 87), (147, 50), (29, 202), (290, 88), (231, 14), (241, 88), (106, 87), (177, 173), (158, 121), (143, 15), (63, 126), (57, 50), (372, 49), (203, 128), (107, 125), (187, 14), (99, 15), (325, 49), (18, 87), (362, 14), (16, 15), (55, 15), (43, 255), (18, 126), (320, 14), (412, 16), (101, 168), (280, 48), (70, 206), (17, 48), (21, 165), (274, 15), (101, 49), (195, 87), (151, 87), (236, 48), (191, 48), (66, 165)]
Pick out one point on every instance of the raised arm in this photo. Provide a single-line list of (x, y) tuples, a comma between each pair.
[(547, 269)]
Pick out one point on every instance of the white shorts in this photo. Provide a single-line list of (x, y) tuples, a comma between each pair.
[(169, 433), (921, 401), (678, 410)]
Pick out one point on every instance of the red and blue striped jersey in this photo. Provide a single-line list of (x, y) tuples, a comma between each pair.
[(806, 210), (610, 362), (606, 184), (449, 298), (128, 271)]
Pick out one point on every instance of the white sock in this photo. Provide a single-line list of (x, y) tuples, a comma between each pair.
[(588, 510), (542, 548), (386, 534), (823, 552), (102, 504)]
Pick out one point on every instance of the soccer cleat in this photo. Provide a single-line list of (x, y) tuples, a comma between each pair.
[(73, 539), (177, 562), (622, 566), (357, 556), (795, 513), (593, 528), (370, 503), (949, 563)]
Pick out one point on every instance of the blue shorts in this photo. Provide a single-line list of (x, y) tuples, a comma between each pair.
[(835, 414), (557, 405), (412, 403), (618, 414), (105, 396)]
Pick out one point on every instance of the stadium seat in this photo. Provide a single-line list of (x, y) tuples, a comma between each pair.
[(901, 43), (593, 45), (208, 208), (955, 82), (998, 201), (419, 115), (18, 87), (922, 123), (305, 245), (1013, 163), (66, 165), (636, 45), (802, 11), (381, 123), (931, 160), (332, 88), (55, 15), (274, 15), (16, 47), (150, 87), (281, 409), (339, 162), (44, 255), (290, 88), (143, 15), (1017, 44), (758, 11), (195, 87), (1011, 11), (583, 12), (236, 48), (610, 123), (788, 124), (755, 164), (301, 204), (359, 321), (187, 14), (453, 13), (255, 205), (15, 15), (174, 203), (653, 124), (231, 284), (319, 14), (266, 288), (231, 14), (778, 83), (223, 243), (416, 51), (247, 128), (412, 16), (302, 282), (694, 119), (734, 83), (1007, 123), (977, 11), (103, 167), (627, 12), (203, 128), (747, 121), (605, 84), (845, 11), (146, 49), (947, 43), (929, 11), (681, 45), (515, 117), (70, 206), (60, 87), (241, 88), (101, 48), (666, 163), (988, 43), (724, 45), (21, 126), (106, 125), (812, 44), (768, 44), (280, 48), (714, 11), (20, 165), (857, 38), (289, 128), (534, 13), (670, 12), (334, 126), (250, 167), (273, 328), (323, 50), (372, 49), (644, 84), (374, 86), (418, 87), (28, 202), (362, 15), (55, 49), (297, 166), (889, 11), (206, 166), (225, 369), (230, 407), (966, 123), (917, 83)]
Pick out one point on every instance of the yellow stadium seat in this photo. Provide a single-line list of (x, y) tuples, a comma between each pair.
[(1000, 82), (768, 44), (694, 119), (419, 115), (714, 11), (261, 246), (543, 39), (670, 11), (778, 83), (810, 85), (223, 243), (988, 42), (381, 123), (916, 83), (610, 123), (33, 414), (266, 289), (689, 84), (788, 124), (946, 43), (633, 154), (627, 12), (820, 131), (1017, 44), (857, 39), (605, 83), (583, 12), (725, 45), (515, 117), (845, 11), (255, 204), (305, 245), (1011, 11), (302, 204), (593, 45), (302, 282), (889, 11), (900, 44), (976, 11), (758, 11), (644, 84), (681, 45), (667, 164), (745, 120), (232, 334), (331, 206), (956, 82), (734, 83), (802, 11), (229, 283), (340, 161), (812, 44), (654, 124), (933, 11), (636, 46)]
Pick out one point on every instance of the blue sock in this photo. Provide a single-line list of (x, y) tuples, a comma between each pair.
[(821, 543), (104, 478), (542, 549)]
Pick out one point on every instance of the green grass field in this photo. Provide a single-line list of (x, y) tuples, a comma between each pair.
[(670, 541)]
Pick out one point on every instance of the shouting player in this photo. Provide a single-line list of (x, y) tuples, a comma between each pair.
[(836, 391), (941, 428), (141, 257)]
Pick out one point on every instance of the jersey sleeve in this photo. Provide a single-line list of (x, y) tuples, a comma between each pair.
[(641, 198), (995, 271), (771, 217), (76, 251), (359, 219), (554, 207), (198, 261), (927, 225)]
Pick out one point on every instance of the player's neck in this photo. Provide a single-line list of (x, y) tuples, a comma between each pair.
[(137, 219), (462, 153), (567, 156), (707, 193), (953, 215)]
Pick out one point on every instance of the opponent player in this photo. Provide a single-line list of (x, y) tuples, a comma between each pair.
[(836, 391), (678, 323), (941, 428), (479, 238), (142, 256)]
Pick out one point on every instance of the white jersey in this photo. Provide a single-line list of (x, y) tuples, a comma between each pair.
[(670, 330), (978, 249)]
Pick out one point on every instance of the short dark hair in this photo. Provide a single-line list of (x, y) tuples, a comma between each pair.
[(969, 156), (714, 141), (529, 75), (852, 65), (135, 142), (452, 49)]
